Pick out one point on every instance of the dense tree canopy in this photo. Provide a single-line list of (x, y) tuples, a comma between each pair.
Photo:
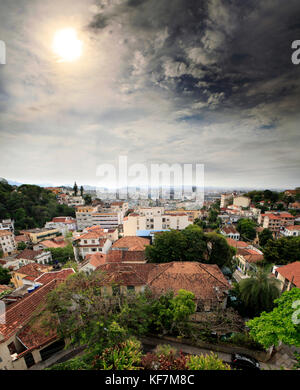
[(190, 244), (30, 206), (246, 227), (4, 275), (283, 251), (281, 324), (264, 237)]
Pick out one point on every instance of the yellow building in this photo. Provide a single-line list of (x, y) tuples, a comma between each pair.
[(37, 235), (27, 274)]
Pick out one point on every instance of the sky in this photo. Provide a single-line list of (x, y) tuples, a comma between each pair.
[(171, 81)]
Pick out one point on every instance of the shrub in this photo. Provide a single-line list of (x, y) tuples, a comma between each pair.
[(168, 361), (124, 356), (245, 340), (164, 349), (209, 362)]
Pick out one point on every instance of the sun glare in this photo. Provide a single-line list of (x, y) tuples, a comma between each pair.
[(66, 45)]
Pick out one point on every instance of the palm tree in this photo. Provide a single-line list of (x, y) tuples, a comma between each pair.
[(259, 291)]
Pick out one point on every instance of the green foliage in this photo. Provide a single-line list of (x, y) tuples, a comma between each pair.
[(1, 253), (283, 251), (219, 252), (171, 313), (246, 227), (21, 246), (265, 236), (186, 245), (259, 292), (190, 244), (87, 199), (30, 206), (62, 255), (4, 275), (124, 356), (77, 363), (206, 362), (280, 324), (245, 340), (164, 349)]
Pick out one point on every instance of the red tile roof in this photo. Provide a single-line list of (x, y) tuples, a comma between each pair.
[(46, 277), (19, 314), (291, 272), (132, 243), (32, 270), (229, 230), (206, 281), (29, 254), (293, 227), (236, 244)]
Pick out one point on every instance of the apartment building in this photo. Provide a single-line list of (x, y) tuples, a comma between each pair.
[(275, 221), (241, 201), (119, 206), (226, 199), (135, 222), (7, 243), (105, 218)]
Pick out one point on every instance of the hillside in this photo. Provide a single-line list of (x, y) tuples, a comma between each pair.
[(30, 205)]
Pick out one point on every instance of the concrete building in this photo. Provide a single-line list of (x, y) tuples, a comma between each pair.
[(37, 235), (7, 243), (241, 201), (135, 222), (226, 199), (37, 256)]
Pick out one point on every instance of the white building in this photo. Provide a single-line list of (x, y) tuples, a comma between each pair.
[(134, 222), (231, 232), (226, 199), (63, 224), (90, 243), (75, 201), (291, 231), (7, 242)]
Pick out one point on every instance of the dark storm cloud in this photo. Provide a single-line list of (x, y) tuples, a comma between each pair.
[(214, 54)]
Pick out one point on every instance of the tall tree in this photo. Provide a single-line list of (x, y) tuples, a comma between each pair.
[(81, 191), (265, 236), (259, 291), (283, 251), (246, 227), (75, 189)]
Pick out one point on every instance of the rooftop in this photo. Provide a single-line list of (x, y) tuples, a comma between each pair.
[(291, 272), (132, 243)]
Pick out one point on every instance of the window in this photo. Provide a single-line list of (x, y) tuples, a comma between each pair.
[(130, 289), (116, 290)]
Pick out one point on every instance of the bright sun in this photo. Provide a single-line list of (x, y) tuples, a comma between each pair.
[(66, 45)]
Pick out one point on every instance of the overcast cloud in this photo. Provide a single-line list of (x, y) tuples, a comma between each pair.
[(168, 81)]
